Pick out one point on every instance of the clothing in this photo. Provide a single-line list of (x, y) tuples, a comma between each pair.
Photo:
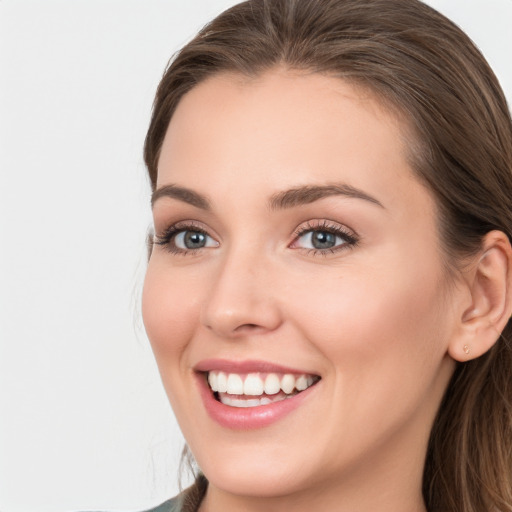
[(187, 501)]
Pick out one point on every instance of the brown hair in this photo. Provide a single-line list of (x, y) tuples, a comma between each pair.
[(460, 145)]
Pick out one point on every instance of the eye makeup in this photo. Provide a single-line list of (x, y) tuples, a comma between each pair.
[(315, 237), (185, 237), (324, 237)]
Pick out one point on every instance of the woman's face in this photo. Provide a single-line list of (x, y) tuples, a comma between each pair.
[(296, 248)]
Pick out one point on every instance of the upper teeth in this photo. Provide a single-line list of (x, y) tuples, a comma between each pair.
[(255, 384)]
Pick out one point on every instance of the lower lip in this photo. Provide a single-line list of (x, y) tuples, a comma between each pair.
[(248, 418)]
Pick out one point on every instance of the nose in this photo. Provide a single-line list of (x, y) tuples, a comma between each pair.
[(241, 300)]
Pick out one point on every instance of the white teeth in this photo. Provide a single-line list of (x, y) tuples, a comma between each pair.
[(272, 384), (256, 385), (302, 383), (252, 402), (212, 380), (288, 383), (253, 385), (222, 382), (235, 384)]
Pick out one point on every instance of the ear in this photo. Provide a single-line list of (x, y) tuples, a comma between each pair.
[(489, 282)]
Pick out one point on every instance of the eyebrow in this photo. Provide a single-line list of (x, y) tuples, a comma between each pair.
[(281, 200), (311, 193), (182, 194)]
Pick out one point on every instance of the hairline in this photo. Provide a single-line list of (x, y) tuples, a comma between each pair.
[(414, 145)]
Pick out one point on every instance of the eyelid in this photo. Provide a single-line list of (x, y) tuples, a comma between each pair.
[(349, 235), (181, 225), (166, 237)]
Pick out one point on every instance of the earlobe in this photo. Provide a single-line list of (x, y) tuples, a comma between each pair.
[(490, 285)]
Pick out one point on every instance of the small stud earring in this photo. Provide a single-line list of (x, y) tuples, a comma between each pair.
[(466, 349)]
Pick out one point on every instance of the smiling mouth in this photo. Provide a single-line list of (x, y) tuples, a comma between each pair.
[(257, 389)]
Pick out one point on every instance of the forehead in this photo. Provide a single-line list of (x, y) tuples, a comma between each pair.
[(284, 128)]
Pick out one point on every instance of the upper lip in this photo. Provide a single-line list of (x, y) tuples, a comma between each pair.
[(247, 366)]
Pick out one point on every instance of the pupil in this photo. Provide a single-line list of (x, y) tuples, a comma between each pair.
[(323, 240), (194, 240)]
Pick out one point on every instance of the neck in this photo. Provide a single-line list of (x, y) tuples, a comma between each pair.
[(385, 487)]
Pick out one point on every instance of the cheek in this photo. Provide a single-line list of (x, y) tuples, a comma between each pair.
[(384, 338), (360, 318), (170, 309)]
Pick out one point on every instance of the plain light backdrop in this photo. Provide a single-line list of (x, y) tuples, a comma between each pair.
[(84, 422)]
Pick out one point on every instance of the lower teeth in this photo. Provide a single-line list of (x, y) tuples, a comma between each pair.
[(236, 401)]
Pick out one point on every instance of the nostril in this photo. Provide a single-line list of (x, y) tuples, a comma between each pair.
[(247, 327)]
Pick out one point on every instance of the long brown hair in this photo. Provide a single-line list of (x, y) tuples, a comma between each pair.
[(460, 145)]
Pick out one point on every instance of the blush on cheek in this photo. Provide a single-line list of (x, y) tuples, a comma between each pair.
[(166, 317), (363, 318)]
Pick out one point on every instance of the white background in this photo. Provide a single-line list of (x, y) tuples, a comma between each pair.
[(84, 423)]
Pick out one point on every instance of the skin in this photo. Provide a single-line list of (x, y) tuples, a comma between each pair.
[(375, 320)]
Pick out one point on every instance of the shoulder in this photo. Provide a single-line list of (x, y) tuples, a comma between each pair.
[(172, 505), (188, 501)]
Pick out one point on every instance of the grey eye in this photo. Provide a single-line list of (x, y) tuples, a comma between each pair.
[(320, 240), (188, 239), (323, 240)]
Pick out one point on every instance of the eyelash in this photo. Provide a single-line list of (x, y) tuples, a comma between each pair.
[(325, 226), (166, 239)]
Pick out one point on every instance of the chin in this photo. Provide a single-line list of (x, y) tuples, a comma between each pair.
[(258, 478)]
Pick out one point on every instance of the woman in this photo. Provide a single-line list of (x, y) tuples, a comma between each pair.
[(329, 288)]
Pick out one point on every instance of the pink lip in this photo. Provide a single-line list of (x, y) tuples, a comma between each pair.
[(250, 366), (250, 418)]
